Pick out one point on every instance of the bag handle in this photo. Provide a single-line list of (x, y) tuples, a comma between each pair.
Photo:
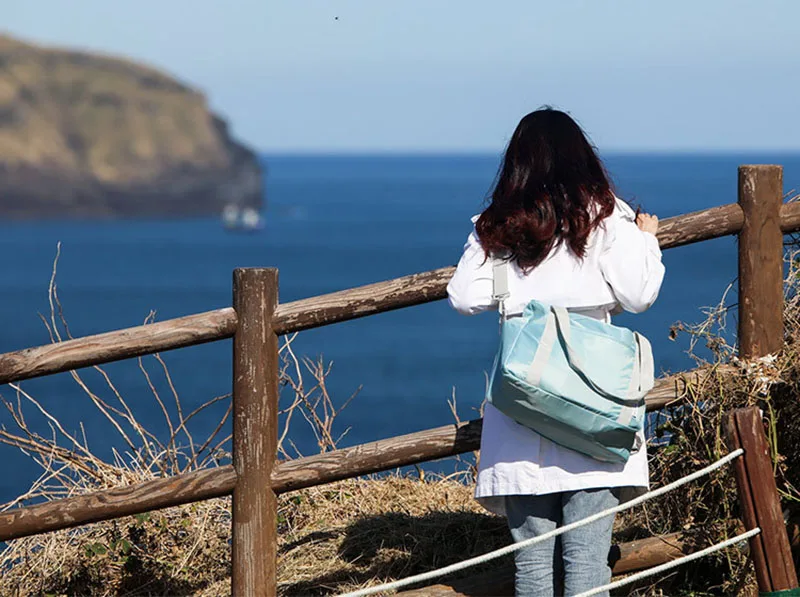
[(500, 292), (563, 324)]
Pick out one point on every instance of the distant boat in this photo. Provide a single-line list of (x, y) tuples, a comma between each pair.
[(235, 217), (251, 219), (230, 216)]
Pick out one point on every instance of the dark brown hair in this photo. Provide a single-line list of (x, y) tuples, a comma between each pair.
[(551, 188)]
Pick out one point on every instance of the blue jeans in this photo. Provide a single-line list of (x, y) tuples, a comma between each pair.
[(570, 563)]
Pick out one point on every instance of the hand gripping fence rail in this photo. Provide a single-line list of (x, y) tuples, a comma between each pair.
[(620, 508)]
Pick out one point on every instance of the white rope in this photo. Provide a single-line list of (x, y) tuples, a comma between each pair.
[(674, 563), (554, 533)]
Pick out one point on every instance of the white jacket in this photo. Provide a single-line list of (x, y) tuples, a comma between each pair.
[(621, 269)]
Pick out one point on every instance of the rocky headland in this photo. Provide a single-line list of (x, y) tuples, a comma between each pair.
[(88, 135)]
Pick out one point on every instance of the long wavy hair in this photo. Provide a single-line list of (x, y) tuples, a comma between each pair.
[(551, 189)]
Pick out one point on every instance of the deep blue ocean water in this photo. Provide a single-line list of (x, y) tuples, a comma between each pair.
[(332, 223)]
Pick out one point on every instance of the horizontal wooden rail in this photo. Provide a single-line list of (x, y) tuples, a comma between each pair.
[(790, 217), (290, 475), (115, 346), (423, 446), (320, 310), (378, 456), (114, 503), (430, 286)]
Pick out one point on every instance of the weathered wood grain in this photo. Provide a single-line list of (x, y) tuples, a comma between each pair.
[(671, 388), (645, 553), (117, 345), (377, 456), (759, 501), (255, 433), (362, 301), (701, 225), (790, 217), (760, 261)]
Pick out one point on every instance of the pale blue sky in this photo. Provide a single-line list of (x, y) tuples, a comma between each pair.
[(436, 75)]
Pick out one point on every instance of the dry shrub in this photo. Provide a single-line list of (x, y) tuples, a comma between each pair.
[(689, 435), (176, 551), (362, 532), (169, 552)]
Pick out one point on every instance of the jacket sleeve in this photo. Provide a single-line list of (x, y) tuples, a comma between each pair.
[(470, 289), (631, 261)]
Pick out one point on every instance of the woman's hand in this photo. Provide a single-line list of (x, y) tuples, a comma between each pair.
[(647, 223)]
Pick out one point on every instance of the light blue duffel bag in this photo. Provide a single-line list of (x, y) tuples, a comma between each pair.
[(577, 381)]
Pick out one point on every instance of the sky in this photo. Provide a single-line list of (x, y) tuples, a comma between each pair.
[(355, 76)]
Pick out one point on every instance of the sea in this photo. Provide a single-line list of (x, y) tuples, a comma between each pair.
[(331, 223)]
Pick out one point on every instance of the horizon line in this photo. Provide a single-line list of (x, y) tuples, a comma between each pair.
[(366, 152)]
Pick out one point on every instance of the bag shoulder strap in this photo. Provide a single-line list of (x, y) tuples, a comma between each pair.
[(500, 290), (647, 366)]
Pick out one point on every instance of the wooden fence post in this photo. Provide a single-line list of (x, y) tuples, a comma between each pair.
[(760, 261), (255, 412), (759, 500)]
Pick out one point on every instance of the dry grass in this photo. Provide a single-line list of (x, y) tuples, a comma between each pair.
[(363, 532)]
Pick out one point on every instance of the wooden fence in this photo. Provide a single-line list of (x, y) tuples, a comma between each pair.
[(257, 319)]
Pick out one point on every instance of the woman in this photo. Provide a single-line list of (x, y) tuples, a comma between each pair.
[(572, 244)]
